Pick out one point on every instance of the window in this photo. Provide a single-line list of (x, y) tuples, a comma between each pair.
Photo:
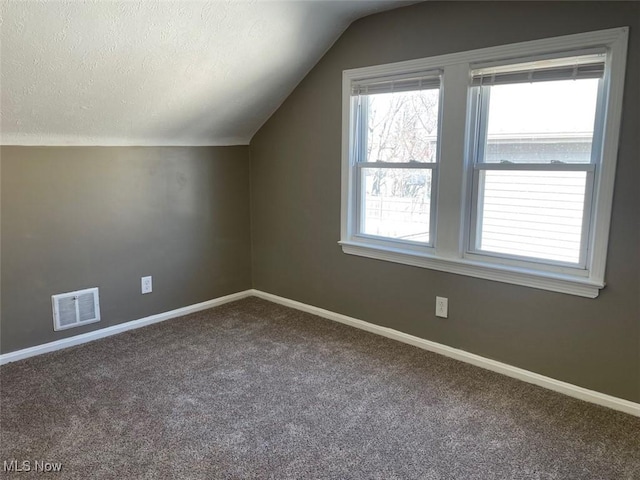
[(495, 163), (396, 154), (535, 158)]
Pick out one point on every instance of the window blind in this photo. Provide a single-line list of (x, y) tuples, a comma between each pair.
[(397, 83), (567, 68)]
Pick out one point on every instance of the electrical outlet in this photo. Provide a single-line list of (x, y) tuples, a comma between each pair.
[(147, 286), (442, 307)]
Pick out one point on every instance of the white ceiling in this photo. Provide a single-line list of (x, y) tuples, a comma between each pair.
[(157, 72)]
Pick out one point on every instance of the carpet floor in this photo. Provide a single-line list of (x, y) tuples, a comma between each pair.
[(255, 390)]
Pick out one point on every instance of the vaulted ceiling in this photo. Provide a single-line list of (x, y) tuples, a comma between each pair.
[(142, 72)]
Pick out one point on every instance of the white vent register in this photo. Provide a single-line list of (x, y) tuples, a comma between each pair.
[(75, 308)]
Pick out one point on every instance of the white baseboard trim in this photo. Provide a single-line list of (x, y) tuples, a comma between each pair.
[(115, 329), (486, 363)]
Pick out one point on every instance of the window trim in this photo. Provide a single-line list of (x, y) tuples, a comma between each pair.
[(449, 253), (359, 163), (479, 97)]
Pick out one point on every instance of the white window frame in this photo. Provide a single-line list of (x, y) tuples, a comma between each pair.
[(358, 158), (450, 250), (477, 141)]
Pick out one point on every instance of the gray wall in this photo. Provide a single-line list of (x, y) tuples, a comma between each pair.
[(295, 178), (78, 217)]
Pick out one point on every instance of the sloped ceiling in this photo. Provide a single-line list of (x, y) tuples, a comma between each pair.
[(157, 72)]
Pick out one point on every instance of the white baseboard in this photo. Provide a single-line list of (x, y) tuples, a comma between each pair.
[(115, 329), (486, 363)]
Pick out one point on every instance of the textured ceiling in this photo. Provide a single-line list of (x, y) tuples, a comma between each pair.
[(157, 72)]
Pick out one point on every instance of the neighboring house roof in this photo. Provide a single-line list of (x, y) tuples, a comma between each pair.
[(157, 73)]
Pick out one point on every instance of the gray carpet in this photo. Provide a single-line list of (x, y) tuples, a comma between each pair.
[(256, 390)]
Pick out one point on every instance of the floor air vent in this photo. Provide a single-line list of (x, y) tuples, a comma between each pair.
[(75, 308)]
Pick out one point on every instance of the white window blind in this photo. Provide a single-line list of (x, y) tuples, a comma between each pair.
[(397, 83), (576, 67)]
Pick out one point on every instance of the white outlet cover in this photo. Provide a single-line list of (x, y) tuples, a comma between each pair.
[(146, 284), (442, 307)]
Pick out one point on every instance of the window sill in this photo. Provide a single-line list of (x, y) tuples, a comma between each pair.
[(554, 282)]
